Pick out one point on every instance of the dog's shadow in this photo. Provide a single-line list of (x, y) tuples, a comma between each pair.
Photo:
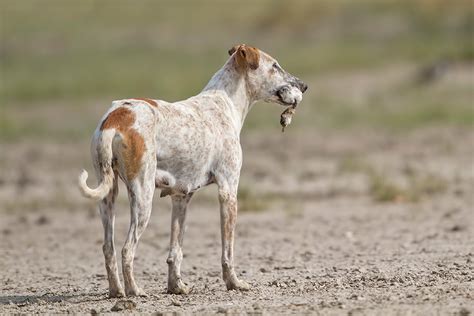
[(23, 300)]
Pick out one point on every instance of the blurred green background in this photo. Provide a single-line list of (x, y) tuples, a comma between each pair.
[(394, 65)]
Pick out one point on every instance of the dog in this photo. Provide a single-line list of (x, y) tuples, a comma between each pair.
[(179, 148)]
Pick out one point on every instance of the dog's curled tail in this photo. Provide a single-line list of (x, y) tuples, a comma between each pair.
[(101, 191), (107, 176)]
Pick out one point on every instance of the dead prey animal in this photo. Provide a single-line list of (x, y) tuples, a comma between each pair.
[(286, 116)]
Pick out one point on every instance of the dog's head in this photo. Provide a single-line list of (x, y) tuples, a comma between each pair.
[(266, 80)]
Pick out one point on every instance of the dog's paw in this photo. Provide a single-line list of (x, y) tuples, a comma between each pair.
[(179, 288), (136, 292), (238, 285), (116, 293)]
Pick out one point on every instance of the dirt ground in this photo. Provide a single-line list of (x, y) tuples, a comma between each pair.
[(355, 224)]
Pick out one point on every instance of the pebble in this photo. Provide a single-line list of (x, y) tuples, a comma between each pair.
[(176, 302), (257, 306), (123, 305), (221, 310)]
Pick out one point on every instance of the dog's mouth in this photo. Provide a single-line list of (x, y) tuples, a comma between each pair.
[(280, 94), (294, 103)]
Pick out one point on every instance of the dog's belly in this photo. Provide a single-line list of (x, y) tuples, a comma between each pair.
[(184, 166), (177, 177)]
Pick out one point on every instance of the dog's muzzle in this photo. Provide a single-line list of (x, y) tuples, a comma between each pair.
[(289, 95)]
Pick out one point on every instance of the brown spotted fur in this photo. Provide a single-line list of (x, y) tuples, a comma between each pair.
[(133, 149)]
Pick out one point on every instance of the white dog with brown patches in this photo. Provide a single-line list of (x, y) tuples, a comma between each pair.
[(179, 148)]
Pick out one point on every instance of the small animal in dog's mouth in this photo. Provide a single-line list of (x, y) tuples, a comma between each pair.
[(286, 116)]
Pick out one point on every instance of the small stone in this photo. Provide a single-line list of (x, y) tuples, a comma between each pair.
[(300, 303), (456, 228), (42, 220), (176, 302), (325, 304), (221, 310), (464, 312), (257, 306), (263, 270), (350, 235), (354, 297), (123, 305)]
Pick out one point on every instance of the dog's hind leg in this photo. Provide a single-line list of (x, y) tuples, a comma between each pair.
[(175, 257), (140, 194), (108, 218)]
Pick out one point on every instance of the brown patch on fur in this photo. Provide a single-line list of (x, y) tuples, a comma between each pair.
[(120, 119), (133, 143), (134, 147), (246, 56), (149, 101)]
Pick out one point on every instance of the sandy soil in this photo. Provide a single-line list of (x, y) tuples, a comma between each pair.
[(314, 236)]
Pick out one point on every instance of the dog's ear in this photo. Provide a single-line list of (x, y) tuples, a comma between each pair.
[(246, 56)]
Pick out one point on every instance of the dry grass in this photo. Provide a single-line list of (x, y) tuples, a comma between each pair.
[(411, 185), (417, 187), (251, 202)]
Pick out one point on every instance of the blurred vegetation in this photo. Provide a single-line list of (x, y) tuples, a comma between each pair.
[(382, 189), (410, 186), (63, 59)]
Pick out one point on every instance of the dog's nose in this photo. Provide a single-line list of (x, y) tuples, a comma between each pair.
[(303, 87)]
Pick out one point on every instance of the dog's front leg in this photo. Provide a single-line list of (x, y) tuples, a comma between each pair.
[(228, 205)]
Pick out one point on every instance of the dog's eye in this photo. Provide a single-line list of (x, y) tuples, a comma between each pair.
[(275, 65)]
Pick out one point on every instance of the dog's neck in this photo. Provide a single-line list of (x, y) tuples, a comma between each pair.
[(232, 82)]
